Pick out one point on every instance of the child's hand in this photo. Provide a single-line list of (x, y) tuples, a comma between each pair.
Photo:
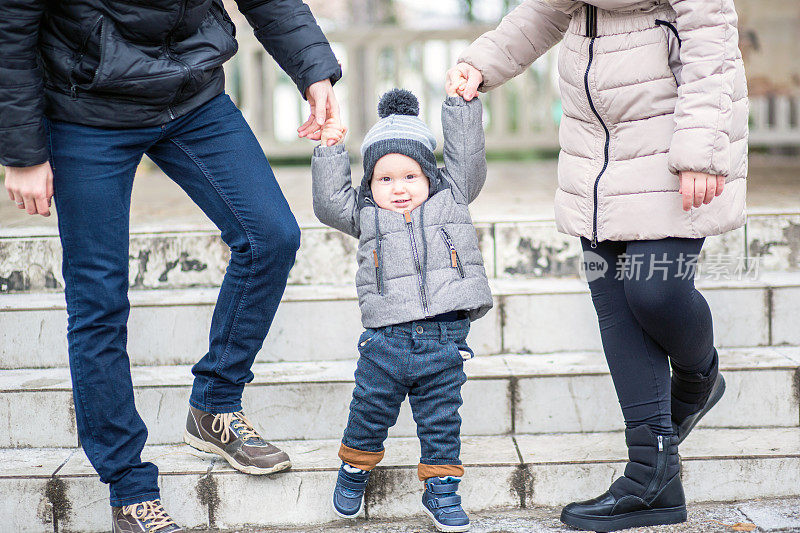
[(333, 132), (463, 80), (456, 83)]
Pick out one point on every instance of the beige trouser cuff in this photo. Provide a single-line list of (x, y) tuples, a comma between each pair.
[(427, 471), (359, 458)]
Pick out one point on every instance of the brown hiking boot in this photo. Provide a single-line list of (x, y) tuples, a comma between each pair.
[(145, 517), (233, 437)]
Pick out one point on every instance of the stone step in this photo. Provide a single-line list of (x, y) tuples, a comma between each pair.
[(323, 322), (30, 260), (508, 394), (48, 490)]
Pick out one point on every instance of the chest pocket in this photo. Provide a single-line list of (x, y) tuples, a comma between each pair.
[(455, 260)]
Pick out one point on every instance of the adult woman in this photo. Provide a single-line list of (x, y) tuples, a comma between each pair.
[(654, 129)]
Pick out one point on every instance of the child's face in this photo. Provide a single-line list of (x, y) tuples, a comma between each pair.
[(398, 183)]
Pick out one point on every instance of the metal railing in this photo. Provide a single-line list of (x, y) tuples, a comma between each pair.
[(520, 116), (775, 121)]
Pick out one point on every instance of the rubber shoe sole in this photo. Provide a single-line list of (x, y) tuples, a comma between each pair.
[(444, 527), (204, 446), (717, 390), (648, 517)]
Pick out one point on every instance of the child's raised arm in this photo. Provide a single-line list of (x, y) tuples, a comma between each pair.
[(464, 146), (335, 199)]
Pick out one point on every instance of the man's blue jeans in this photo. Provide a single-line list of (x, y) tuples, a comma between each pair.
[(422, 360), (212, 154)]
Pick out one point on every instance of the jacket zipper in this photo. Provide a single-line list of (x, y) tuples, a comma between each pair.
[(672, 28), (73, 89), (376, 254), (410, 227), (591, 31), (378, 280), (217, 17), (591, 20), (186, 71), (220, 19), (455, 262)]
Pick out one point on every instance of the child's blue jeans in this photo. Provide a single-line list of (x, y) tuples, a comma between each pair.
[(424, 361)]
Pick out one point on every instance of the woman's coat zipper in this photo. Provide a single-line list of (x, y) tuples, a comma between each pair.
[(591, 31)]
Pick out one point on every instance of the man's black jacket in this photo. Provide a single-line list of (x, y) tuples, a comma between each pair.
[(133, 63)]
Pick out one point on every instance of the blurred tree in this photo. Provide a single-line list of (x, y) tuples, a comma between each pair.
[(469, 10)]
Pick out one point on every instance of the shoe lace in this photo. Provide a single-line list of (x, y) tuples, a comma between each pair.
[(151, 513), (224, 421)]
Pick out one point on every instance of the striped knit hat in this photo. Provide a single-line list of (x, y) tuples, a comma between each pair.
[(399, 131)]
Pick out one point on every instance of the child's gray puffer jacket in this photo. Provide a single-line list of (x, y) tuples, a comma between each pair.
[(426, 262)]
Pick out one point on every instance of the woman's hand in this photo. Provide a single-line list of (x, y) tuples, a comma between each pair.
[(31, 188), (698, 188), (463, 80), (333, 132)]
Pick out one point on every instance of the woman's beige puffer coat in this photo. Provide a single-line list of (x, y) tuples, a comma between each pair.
[(648, 89)]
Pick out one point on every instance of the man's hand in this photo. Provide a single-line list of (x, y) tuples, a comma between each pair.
[(698, 188), (31, 188), (463, 79), (323, 104)]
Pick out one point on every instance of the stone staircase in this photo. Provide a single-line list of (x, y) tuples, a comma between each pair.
[(541, 422)]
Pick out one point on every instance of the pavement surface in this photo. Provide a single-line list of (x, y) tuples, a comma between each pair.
[(757, 516), (514, 191)]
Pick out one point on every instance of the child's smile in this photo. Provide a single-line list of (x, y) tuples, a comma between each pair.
[(398, 183)]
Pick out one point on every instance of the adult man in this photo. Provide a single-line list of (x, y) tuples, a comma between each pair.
[(85, 90)]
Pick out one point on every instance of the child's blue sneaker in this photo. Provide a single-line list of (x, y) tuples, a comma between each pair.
[(443, 505), (348, 495)]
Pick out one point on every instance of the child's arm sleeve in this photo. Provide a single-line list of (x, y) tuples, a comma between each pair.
[(464, 147), (523, 35), (335, 199)]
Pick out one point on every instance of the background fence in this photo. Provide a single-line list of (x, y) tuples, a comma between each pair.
[(520, 116)]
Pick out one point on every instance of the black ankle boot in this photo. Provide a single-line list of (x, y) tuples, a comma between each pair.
[(693, 395), (649, 494)]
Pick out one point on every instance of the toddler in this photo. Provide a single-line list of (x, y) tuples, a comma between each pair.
[(420, 282)]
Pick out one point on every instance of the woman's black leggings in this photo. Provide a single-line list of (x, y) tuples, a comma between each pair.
[(650, 316)]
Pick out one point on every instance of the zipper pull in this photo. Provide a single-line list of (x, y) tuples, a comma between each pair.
[(594, 240), (660, 443), (73, 92), (407, 216), (453, 253)]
